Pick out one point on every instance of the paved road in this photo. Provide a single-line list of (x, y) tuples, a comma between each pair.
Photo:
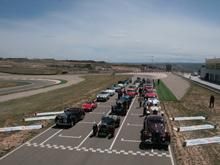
[(31, 84), (74, 146), (37, 82)]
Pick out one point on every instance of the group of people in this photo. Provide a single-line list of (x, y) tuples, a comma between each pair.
[(145, 103)]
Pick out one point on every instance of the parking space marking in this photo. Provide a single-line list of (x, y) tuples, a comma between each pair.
[(73, 137), (134, 125), (99, 150), (97, 113), (131, 141), (51, 137), (87, 122), (89, 133), (136, 114), (122, 125)]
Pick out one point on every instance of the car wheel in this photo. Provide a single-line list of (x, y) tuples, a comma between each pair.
[(73, 123)]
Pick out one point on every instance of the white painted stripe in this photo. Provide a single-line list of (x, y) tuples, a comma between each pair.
[(171, 156), (196, 127), (48, 113), (51, 137), (189, 118), (40, 118), (9, 153), (134, 125), (193, 142), (21, 128), (122, 124), (89, 134), (131, 141), (136, 114), (86, 122), (73, 137), (97, 113)]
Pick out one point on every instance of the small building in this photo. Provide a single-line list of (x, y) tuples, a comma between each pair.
[(211, 70)]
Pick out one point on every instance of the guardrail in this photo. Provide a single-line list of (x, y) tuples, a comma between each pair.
[(20, 128), (193, 142), (188, 118), (39, 118), (195, 127), (48, 113)]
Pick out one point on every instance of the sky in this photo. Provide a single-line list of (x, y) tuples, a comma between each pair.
[(111, 30)]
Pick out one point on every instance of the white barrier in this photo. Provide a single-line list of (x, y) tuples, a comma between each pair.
[(48, 113), (20, 128), (193, 142), (188, 118), (39, 118), (195, 127)]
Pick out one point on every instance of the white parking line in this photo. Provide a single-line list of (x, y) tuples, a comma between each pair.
[(89, 134), (131, 141), (86, 122), (171, 156), (74, 137), (121, 125), (51, 137), (26, 142), (136, 114), (134, 125), (97, 113)]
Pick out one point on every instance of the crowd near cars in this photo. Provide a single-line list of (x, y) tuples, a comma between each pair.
[(154, 127)]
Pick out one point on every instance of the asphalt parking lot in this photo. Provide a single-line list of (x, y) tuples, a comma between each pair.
[(75, 146)]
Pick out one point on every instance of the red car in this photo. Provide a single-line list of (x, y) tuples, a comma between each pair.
[(151, 95), (131, 92), (148, 87), (89, 106)]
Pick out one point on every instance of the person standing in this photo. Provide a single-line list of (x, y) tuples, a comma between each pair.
[(140, 99), (144, 110), (211, 101), (95, 129), (120, 93)]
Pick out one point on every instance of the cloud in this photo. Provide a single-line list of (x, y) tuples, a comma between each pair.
[(127, 33)]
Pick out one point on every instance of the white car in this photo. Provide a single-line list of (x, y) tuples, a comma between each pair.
[(103, 96), (122, 85), (110, 91), (154, 101)]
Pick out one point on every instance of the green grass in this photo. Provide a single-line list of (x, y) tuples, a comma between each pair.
[(12, 112), (164, 93)]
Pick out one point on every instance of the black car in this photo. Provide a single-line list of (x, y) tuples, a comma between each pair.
[(154, 131), (108, 125), (120, 108), (70, 117)]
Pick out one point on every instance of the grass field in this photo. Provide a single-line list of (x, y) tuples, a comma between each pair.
[(12, 112), (164, 93)]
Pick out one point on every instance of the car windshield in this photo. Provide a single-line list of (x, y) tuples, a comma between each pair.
[(155, 120), (107, 120), (103, 92)]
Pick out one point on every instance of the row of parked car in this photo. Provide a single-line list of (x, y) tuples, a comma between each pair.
[(111, 121), (154, 127), (72, 115)]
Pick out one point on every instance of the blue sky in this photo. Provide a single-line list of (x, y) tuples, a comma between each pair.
[(111, 30)]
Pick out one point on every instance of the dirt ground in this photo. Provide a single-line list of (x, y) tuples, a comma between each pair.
[(195, 102)]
